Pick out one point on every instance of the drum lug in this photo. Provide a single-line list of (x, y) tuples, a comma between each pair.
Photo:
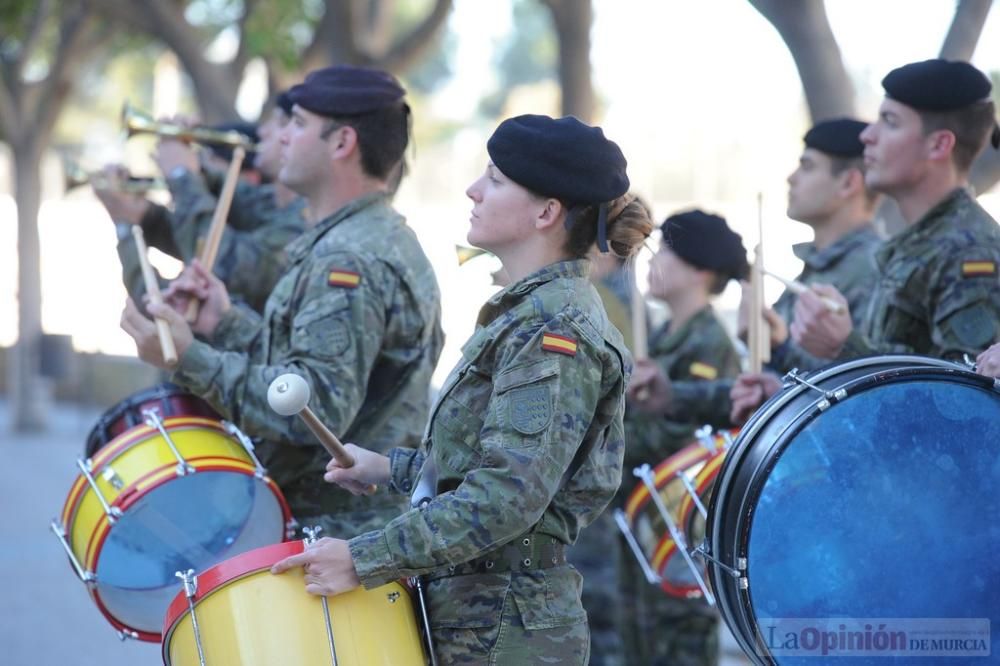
[(127, 634), (651, 576), (259, 470), (743, 583), (112, 512), (190, 581), (111, 476), (705, 438), (87, 577), (153, 420)]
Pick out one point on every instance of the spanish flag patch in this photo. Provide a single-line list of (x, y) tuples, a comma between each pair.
[(979, 269), (557, 343), (703, 370), (341, 278)]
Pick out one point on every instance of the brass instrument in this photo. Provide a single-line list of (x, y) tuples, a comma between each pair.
[(465, 253), (136, 122), (74, 176)]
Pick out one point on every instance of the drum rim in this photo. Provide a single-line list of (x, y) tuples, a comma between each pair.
[(223, 573), (734, 604)]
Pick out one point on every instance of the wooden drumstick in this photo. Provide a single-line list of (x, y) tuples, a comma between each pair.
[(210, 248), (289, 394), (153, 289), (797, 287), (640, 347), (758, 332)]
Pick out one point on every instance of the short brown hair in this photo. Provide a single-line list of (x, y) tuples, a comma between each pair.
[(971, 126)]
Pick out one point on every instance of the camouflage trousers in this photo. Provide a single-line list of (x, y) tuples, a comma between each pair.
[(597, 559), (660, 630)]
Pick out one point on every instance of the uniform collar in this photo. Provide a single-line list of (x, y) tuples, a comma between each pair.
[(507, 297), (300, 247), (819, 260)]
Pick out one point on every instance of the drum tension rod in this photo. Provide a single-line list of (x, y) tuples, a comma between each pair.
[(830, 396), (190, 581), (153, 420), (247, 444), (311, 538), (702, 550)]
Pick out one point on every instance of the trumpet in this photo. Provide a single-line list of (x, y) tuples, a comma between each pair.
[(465, 253), (74, 176), (136, 122)]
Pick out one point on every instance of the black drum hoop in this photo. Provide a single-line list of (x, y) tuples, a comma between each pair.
[(748, 464)]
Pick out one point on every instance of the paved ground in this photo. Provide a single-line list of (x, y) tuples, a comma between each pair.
[(47, 618)]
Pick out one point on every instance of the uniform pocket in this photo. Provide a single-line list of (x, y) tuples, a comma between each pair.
[(467, 602), (548, 598)]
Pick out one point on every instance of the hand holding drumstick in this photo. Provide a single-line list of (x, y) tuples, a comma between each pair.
[(288, 394), (153, 291), (798, 289)]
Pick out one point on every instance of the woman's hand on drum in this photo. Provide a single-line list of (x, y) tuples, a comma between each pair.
[(749, 392), (143, 331), (649, 389), (818, 329), (988, 363), (198, 282), (370, 469), (327, 566)]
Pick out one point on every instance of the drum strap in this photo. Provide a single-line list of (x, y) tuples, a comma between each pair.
[(528, 553)]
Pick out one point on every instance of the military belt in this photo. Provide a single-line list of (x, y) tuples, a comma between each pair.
[(528, 553)]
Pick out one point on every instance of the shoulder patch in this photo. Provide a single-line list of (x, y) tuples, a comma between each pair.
[(339, 277), (530, 409), (984, 268), (559, 344), (703, 370)]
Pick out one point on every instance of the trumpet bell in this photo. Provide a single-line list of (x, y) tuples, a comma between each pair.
[(466, 253)]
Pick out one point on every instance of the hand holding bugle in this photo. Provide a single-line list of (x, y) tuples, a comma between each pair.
[(288, 395), (210, 249), (153, 289), (797, 288)]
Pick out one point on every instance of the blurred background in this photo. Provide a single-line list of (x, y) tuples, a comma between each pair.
[(709, 101)]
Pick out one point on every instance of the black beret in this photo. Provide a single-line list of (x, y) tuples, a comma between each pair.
[(705, 241), (937, 85), (561, 158), (840, 137), (225, 152), (284, 102), (346, 90)]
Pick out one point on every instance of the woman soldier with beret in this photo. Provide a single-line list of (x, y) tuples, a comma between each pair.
[(524, 445), (697, 258)]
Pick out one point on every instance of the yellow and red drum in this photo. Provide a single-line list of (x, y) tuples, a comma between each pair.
[(664, 516), (237, 612), (166, 487)]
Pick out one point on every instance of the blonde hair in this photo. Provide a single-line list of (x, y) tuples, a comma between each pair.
[(628, 226)]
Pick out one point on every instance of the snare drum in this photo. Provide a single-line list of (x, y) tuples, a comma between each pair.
[(169, 492), (864, 494), (239, 613), (656, 523)]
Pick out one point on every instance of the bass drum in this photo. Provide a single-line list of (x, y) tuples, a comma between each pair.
[(856, 515)]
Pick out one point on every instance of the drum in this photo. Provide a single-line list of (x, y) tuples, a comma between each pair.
[(856, 515), (173, 491), (240, 613), (166, 399), (667, 510)]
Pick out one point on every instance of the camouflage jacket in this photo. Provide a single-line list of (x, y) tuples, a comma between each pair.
[(251, 254), (359, 318), (540, 385), (695, 356), (849, 265), (937, 292)]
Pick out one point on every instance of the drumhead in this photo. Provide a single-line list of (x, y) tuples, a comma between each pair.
[(872, 505)]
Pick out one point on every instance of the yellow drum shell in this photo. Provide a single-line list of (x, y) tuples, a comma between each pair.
[(250, 617)]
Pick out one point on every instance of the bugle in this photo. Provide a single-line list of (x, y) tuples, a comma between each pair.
[(465, 253), (75, 176), (136, 122)]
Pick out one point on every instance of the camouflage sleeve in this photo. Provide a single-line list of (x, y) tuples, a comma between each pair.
[(252, 262), (703, 402), (335, 333), (238, 330), (193, 208), (156, 231), (966, 310), (539, 411), (404, 464)]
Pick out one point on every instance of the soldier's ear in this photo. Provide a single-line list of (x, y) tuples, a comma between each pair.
[(552, 211), (852, 183)]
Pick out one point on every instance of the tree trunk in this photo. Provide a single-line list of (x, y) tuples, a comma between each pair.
[(573, 19), (806, 31), (28, 399), (966, 27)]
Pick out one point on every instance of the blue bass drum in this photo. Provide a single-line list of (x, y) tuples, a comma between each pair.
[(858, 514)]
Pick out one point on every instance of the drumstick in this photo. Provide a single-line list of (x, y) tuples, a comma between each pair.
[(640, 348), (213, 238), (153, 289), (797, 287), (758, 332), (288, 394)]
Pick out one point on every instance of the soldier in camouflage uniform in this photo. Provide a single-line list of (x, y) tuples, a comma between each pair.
[(937, 290), (262, 219), (524, 446), (699, 255), (357, 317)]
